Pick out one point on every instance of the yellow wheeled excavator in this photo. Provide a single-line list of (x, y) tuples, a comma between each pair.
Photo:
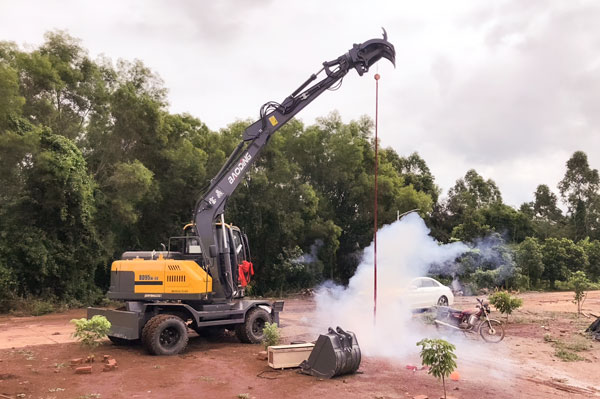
[(198, 281)]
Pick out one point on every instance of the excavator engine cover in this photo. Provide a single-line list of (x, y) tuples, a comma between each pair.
[(335, 353)]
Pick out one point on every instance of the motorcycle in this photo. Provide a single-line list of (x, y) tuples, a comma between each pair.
[(471, 321)]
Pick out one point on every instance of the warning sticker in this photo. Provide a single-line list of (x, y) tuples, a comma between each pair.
[(273, 120)]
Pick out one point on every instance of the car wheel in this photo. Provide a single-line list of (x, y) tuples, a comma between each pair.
[(443, 301)]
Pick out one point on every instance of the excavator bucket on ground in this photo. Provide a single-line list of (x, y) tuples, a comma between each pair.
[(335, 353)]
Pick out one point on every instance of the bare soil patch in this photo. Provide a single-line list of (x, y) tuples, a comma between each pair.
[(34, 362)]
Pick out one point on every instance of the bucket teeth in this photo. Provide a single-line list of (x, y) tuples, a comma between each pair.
[(363, 56), (335, 353)]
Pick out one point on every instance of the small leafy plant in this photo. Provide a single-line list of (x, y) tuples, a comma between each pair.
[(89, 332), (439, 355), (579, 283), (271, 334), (505, 303)]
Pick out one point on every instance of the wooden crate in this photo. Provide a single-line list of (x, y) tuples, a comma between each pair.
[(286, 356)]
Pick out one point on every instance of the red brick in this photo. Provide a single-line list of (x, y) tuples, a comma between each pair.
[(76, 361), (83, 370)]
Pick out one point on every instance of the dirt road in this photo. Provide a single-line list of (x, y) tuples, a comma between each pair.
[(35, 354)]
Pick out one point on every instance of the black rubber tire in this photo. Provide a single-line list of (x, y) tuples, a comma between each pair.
[(165, 335), (494, 336), (443, 301), (122, 341), (251, 330)]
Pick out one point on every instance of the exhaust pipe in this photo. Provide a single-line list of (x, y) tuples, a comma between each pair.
[(449, 325)]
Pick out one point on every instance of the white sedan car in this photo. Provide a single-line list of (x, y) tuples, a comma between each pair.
[(425, 292)]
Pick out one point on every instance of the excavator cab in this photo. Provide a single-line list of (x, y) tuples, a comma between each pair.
[(234, 242)]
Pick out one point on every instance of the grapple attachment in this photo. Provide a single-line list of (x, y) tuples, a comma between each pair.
[(335, 353), (363, 55)]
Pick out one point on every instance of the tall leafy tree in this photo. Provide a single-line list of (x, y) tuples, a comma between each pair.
[(561, 257), (50, 241), (530, 259), (579, 190)]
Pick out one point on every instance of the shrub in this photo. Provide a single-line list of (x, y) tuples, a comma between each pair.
[(439, 355), (505, 303), (89, 331), (579, 283), (271, 332)]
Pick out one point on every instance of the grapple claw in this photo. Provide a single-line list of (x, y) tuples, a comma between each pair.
[(363, 55)]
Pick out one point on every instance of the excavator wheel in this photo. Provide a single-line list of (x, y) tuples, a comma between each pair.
[(165, 334), (251, 330)]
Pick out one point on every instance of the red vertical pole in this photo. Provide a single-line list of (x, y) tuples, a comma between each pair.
[(375, 207)]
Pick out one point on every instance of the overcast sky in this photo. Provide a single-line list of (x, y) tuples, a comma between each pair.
[(510, 88)]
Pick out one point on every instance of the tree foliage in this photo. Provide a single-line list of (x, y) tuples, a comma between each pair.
[(505, 303), (92, 163), (439, 355), (90, 331)]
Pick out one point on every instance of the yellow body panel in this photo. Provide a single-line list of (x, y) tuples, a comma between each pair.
[(166, 276)]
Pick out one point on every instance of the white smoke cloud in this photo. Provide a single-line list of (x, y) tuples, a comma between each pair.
[(404, 251)]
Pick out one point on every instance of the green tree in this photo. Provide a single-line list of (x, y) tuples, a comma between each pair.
[(561, 256), (439, 355), (592, 251), (505, 303), (529, 258), (49, 238), (472, 192), (579, 189), (414, 171), (579, 283), (465, 201), (11, 101)]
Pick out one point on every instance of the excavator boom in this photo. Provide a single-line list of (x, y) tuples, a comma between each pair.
[(210, 207)]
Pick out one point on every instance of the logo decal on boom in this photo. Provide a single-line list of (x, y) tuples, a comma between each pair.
[(239, 168)]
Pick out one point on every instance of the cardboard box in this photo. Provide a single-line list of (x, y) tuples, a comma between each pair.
[(286, 356)]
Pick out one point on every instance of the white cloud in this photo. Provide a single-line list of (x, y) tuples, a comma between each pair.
[(510, 88)]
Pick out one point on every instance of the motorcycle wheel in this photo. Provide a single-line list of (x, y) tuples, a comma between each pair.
[(493, 334)]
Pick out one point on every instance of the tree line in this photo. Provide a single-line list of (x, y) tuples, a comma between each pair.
[(92, 163)]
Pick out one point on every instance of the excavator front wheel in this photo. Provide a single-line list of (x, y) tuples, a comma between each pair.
[(165, 334), (251, 330)]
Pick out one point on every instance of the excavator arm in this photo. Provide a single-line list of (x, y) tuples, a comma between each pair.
[(210, 207)]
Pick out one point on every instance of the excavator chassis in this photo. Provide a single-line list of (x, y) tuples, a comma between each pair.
[(128, 323)]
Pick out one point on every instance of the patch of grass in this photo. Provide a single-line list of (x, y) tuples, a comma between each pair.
[(577, 344), (56, 389), (28, 355), (243, 396), (548, 338), (89, 396), (567, 356), (565, 350)]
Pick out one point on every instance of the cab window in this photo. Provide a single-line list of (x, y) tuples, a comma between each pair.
[(238, 246), (193, 246)]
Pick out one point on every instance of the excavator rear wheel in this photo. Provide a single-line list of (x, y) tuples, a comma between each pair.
[(251, 330), (165, 334)]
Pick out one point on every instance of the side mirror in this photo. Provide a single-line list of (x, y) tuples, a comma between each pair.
[(212, 251)]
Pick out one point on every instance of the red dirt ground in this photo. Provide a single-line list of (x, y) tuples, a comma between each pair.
[(35, 354)]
